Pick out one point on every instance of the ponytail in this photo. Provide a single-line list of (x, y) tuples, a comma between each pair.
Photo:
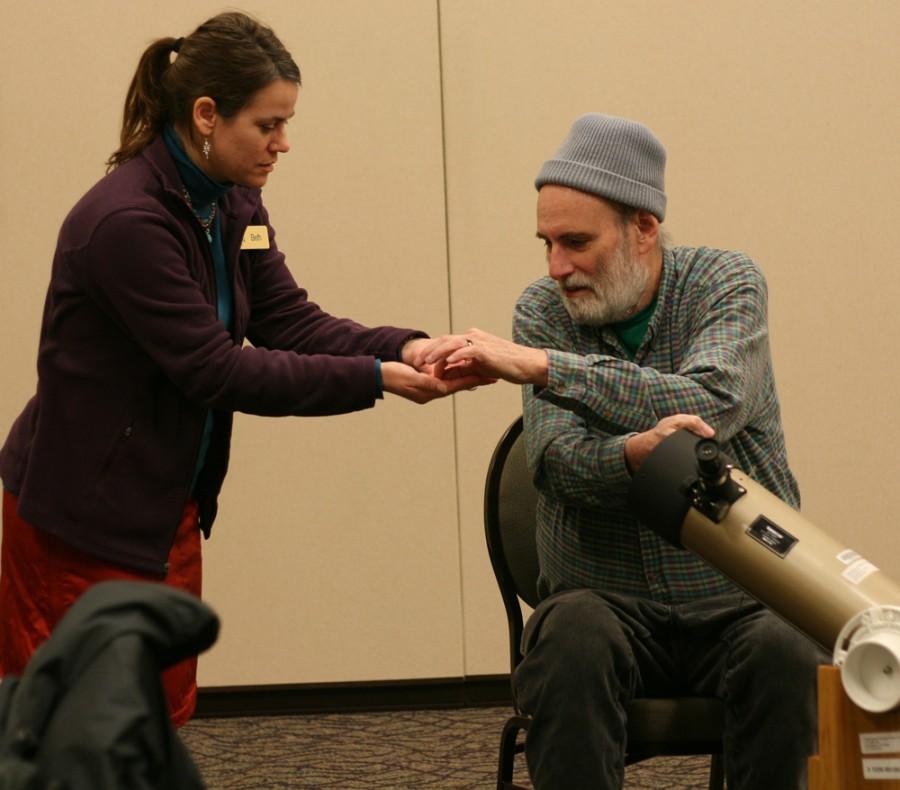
[(145, 112)]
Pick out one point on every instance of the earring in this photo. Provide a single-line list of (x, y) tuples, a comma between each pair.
[(206, 147)]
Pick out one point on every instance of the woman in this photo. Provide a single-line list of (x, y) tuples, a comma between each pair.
[(161, 271)]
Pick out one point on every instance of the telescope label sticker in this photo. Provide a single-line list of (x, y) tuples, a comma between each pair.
[(879, 742), (773, 537), (847, 556), (878, 768), (858, 571)]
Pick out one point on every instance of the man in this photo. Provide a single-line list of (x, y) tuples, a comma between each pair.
[(624, 340)]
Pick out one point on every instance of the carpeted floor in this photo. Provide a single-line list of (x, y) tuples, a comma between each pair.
[(402, 750)]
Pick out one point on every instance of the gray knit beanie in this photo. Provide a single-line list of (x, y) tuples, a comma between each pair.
[(611, 157)]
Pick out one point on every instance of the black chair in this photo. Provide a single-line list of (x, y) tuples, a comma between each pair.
[(669, 726)]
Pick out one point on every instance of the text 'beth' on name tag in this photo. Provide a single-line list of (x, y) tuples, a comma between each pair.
[(256, 237)]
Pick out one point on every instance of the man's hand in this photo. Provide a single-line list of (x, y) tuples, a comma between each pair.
[(639, 446), (411, 349), (422, 387), (479, 353)]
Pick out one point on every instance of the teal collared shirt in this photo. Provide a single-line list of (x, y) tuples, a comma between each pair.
[(204, 194)]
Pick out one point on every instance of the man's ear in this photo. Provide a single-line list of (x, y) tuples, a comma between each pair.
[(204, 115), (647, 231)]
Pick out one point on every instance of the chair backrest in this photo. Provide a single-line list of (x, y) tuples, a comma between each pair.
[(510, 500)]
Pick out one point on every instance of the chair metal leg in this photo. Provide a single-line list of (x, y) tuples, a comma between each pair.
[(716, 773), (509, 747)]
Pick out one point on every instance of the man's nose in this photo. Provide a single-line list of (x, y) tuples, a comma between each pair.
[(559, 264)]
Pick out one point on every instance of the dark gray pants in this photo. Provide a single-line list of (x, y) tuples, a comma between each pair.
[(587, 654)]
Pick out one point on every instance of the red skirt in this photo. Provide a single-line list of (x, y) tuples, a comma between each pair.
[(41, 577)]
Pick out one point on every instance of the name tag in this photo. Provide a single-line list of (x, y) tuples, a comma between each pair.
[(256, 237)]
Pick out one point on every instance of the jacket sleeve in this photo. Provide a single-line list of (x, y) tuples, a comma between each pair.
[(135, 271), (282, 317)]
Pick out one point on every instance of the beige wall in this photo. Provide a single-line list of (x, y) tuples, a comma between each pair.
[(351, 548)]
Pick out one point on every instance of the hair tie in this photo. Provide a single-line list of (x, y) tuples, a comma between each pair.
[(177, 45)]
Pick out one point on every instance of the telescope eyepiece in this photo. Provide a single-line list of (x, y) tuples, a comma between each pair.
[(709, 459), (715, 490)]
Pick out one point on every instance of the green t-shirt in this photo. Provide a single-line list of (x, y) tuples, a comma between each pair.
[(631, 331)]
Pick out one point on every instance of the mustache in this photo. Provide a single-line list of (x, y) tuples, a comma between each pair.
[(578, 280)]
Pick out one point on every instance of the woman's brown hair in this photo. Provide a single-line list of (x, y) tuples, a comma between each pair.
[(228, 58)]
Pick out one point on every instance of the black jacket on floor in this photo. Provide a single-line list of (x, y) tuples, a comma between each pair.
[(89, 712)]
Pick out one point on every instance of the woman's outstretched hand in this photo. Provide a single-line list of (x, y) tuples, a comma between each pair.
[(422, 386)]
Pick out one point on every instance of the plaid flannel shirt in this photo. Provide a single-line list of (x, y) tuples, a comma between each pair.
[(705, 352)]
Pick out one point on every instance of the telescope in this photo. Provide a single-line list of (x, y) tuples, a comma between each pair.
[(690, 493)]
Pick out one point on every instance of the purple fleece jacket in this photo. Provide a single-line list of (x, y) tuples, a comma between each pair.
[(132, 356)]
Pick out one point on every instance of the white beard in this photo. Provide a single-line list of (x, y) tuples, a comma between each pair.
[(616, 286)]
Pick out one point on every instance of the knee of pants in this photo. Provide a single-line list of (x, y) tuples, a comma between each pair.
[(779, 652), (575, 633)]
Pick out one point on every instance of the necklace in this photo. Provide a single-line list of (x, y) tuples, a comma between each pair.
[(206, 224)]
